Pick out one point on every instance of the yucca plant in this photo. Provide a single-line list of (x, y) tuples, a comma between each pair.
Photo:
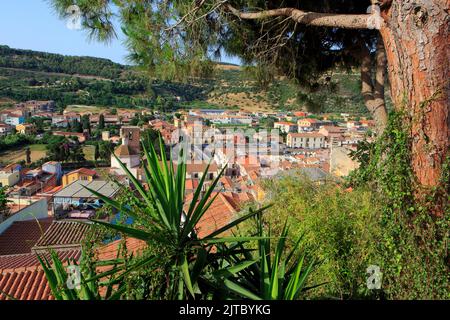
[(281, 275), (161, 221), (90, 283)]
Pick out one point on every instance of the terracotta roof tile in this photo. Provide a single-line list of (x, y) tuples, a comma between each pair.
[(85, 171), (22, 235), (26, 261), (28, 282), (24, 285), (62, 234), (122, 150), (219, 214)]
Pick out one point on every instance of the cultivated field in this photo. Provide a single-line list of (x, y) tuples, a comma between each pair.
[(11, 156), (38, 152)]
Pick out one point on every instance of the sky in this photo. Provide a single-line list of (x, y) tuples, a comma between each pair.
[(33, 25)]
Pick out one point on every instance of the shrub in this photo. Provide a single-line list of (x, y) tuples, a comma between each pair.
[(339, 226)]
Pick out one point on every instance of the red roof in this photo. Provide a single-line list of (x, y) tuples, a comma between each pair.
[(85, 171), (25, 285), (219, 214), (29, 261), (63, 234), (25, 279), (22, 235)]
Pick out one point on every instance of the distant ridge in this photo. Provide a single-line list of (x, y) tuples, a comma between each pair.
[(83, 80)]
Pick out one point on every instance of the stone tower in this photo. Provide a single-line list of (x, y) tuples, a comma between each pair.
[(131, 137)]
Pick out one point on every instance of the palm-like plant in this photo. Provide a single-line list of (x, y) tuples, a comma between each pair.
[(91, 285), (164, 223), (278, 276)]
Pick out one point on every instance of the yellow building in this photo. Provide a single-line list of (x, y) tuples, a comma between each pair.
[(10, 175), (26, 128), (80, 174)]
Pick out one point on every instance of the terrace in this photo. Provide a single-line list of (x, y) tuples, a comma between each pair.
[(77, 202)]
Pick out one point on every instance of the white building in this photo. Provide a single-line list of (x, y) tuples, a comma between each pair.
[(285, 127), (305, 140), (5, 129), (128, 152)]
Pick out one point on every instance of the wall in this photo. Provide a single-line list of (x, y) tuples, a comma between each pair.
[(37, 210)]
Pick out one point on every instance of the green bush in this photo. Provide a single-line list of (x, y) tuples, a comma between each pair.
[(339, 226)]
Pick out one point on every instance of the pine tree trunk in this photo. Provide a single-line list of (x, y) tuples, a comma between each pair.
[(416, 38)]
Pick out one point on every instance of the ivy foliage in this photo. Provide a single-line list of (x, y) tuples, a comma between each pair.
[(414, 245)]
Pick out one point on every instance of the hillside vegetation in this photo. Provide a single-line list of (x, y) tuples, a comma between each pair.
[(27, 75)]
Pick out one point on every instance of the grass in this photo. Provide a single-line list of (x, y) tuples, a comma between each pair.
[(38, 151), (16, 155), (89, 152), (84, 109)]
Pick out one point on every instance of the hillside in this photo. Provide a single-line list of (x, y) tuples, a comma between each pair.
[(26, 75)]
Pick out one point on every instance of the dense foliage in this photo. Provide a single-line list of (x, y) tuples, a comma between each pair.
[(12, 141), (339, 226), (414, 245), (56, 63)]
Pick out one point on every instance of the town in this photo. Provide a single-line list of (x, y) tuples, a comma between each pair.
[(51, 189)]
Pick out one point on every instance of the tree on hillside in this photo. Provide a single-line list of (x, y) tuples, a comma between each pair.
[(28, 155), (76, 126), (96, 152), (57, 148), (101, 122), (105, 150), (4, 210), (86, 123)]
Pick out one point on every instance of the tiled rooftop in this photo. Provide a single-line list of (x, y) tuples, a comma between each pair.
[(29, 261), (24, 285), (63, 234), (22, 235), (219, 214)]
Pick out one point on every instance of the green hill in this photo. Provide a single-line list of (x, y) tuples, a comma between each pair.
[(28, 75)]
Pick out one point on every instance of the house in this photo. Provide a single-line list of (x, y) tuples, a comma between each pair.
[(220, 213), (353, 124), (62, 235), (36, 180), (285, 127), (26, 128), (305, 140), (10, 175), (5, 129), (330, 131), (12, 119), (60, 121), (310, 124), (55, 168), (196, 170), (21, 236), (75, 201), (34, 106), (300, 114), (79, 174), (129, 152), (21, 274)]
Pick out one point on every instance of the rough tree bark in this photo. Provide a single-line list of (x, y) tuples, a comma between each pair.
[(372, 88), (416, 37)]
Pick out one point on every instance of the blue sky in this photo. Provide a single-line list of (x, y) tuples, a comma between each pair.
[(31, 24)]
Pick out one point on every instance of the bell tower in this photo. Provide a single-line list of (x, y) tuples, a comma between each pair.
[(131, 137)]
